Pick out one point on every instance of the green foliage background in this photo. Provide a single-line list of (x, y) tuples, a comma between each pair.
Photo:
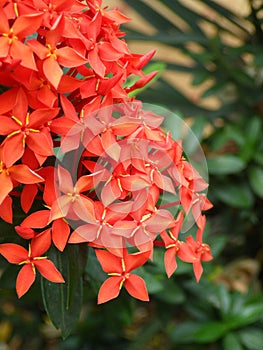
[(225, 310)]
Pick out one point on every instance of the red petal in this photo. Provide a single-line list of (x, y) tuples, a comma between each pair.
[(96, 62), (28, 195), (109, 262), (40, 143), (7, 99), (24, 54), (60, 233), (27, 24), (170, 261), (198, 270), (83, 207), (65, 180), (134, 183), (41, 243), (52, 71), (23, 174), (84, 233), (49, 270), (13, 253), (25, 232), (85, 183), (6, 210), (41, 116), (5, 187), (68, 57), (133, 261), (163, 182), (76, 238), (110, 289), (110, 145), (39, 219), (110, 192), (60, 207), (136, 287), (12, 149), (7, 125), (25, 279)]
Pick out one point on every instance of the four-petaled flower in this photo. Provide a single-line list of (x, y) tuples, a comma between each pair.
[(119, 272), (31, 260)]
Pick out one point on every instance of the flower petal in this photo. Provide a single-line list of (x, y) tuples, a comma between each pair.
[(13, 253), (6, 186), (41, 243), (23, 174), (110, 289), (49, 270), (109, 262), (60, 233), (25, 279), (136, 287)]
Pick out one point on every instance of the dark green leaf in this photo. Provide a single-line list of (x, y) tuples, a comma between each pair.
[(183, 333), (210, 332), (63, 302), (171, 293), (156, 19), (225, 164), (252, 338), (231, 342), (247, 315), (255, 174), (253, 135), (235, 195), (200, 77), (224, 300), (225, 13)]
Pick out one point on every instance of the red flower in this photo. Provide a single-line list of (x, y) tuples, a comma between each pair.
[(24, 128), (11, 40), (16, 174), (54, 57), (175, 248), (200, 250), (119, 268), (31, 260)]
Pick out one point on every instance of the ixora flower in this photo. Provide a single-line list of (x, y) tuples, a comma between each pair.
[(84, 161)]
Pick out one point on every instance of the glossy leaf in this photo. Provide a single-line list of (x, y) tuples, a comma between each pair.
[(63, 302), (235, 195), (252, 338), (231, 342), (256, 180), (210, 332), (225, 164)]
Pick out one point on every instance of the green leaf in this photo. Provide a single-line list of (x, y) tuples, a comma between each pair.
[(247, 315), (63, 301), (156, 19), (171, 293), (235, 195), (231, 342), (253, 135), (225, 164), (153, 282), (210, 332), (224, 300), (256, 180), (200, 77), (183, 333), (252, 338)]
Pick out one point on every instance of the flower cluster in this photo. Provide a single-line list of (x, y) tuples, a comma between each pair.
[(73, 140)]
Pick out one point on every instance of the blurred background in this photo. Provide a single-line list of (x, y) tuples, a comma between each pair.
[(210, 59)]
